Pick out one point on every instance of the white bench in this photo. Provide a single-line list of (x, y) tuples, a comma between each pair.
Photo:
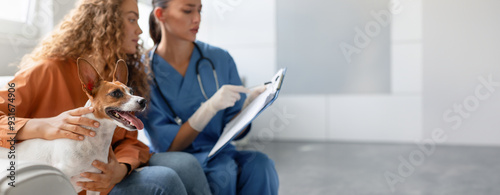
[(31, 178)]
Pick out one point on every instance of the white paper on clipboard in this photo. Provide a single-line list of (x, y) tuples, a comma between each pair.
[(247, 115)]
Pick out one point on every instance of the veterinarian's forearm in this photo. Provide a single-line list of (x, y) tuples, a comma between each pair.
[(184, 138)]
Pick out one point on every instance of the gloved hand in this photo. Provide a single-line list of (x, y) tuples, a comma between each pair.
[(225, 97), (256, 91)]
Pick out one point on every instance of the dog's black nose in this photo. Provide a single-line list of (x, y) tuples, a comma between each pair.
[(142, 102)]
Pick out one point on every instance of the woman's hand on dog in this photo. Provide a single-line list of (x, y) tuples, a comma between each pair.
[(64, 125), (112, 173)]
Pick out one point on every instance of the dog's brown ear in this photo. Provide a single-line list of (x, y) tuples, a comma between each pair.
[(89, 76), (121, 72)]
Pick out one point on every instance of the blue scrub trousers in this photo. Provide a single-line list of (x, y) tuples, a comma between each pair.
[(243, 173), (168, 173)]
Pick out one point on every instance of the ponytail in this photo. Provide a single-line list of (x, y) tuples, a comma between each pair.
[(154, 28)]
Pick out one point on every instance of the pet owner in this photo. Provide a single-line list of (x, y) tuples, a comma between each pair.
[(49, 100), (188, 111)]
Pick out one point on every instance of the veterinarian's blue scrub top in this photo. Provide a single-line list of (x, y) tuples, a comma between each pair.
[(185, 97), (230, 171)]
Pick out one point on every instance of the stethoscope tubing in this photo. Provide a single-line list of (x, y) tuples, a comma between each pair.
[(177, 119), (202, 57)]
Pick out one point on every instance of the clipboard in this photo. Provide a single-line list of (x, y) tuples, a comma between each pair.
[(247, 115)]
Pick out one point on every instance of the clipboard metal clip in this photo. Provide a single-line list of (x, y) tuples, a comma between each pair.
[(280, 81)]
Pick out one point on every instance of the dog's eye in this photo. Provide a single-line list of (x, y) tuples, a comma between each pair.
[(131, 91), (116, 93)]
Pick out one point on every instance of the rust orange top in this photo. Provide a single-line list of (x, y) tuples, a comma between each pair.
[(49, 88)]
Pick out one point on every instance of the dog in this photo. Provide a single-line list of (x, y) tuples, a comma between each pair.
[(113, 105)]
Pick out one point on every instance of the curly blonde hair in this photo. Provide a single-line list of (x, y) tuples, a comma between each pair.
[(95, 30)]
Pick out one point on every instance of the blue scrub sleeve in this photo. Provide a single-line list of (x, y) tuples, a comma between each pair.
[(160, 127)]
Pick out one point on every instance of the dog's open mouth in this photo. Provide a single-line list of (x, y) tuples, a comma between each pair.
[(126, 118)]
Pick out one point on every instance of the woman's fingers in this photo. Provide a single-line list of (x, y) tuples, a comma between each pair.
[(68, 134), (258, 90), (235, 97), (71, 128), (81, 111), (233, 92), (71, 122), (78, 112), (227, 96), (76, 121), (237, 88)]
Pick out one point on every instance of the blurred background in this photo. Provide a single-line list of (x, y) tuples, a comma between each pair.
[(380, 96)]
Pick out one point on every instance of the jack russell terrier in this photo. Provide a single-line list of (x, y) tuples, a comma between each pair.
[(113, 103)]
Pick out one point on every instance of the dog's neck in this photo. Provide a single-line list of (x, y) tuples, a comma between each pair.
[(104, 132)]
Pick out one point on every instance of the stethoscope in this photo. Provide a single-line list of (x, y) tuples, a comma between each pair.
[(177, 119)]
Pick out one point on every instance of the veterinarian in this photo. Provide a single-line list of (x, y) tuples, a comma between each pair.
[(196, 90), (49, 100)]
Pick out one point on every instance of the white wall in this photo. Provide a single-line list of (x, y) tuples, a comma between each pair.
[(393, 117), (445, 75), (334, 47), (247, 29), (462, 47)]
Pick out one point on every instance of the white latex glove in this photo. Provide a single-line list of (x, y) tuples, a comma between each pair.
[(225, 97), (256, 91)]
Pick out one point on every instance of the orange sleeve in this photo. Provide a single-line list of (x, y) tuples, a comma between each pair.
[(128, 149), (16, 99)]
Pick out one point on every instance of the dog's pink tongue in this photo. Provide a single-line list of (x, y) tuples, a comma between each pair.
[(134, 120)]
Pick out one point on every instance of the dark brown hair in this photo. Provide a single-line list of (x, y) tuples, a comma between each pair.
[(154, 28)]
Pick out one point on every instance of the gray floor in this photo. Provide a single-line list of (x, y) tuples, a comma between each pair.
[(349, 168)]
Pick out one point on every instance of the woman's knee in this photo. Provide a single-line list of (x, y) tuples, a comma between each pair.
[(181, 162), (159, 175), (152, 179), (187, 168), (170, 159)]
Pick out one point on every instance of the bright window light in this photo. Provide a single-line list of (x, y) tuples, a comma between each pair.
[(144, 11), (16, 11)]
